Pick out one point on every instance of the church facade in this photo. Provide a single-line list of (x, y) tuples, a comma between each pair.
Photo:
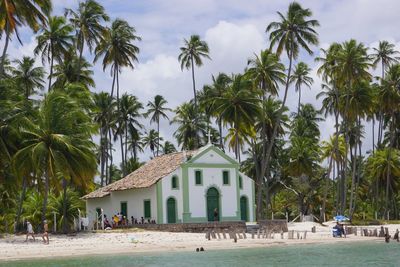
[(181, 187)]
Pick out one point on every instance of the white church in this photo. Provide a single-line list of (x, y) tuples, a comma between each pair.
[(181, 187)]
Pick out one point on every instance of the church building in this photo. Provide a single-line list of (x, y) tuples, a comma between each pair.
[(181, 187)]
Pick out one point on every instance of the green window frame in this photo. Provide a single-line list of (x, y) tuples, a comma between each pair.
[(174, 182), (240, 182), (225, 177), (198, 177), (147, 208)]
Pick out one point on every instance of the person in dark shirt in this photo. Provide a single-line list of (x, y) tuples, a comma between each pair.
[(216, 215)]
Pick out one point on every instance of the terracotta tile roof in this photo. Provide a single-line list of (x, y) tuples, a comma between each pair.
[(147, 175)]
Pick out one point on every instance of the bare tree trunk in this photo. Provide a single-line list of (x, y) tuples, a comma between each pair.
[(353, 180), (111, 155), (64, 222), (221, 144), (3, 56), (45, 197), (80, 60), (21, 199), (158, 135), (323, 208), (51, 67), (388, 173)]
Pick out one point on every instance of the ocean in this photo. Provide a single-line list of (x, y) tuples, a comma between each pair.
[(348, 254)]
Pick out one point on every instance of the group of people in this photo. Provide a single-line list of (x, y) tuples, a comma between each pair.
[(31, 232), (120, 220)]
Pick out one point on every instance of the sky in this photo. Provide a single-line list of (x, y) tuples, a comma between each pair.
[(234, 31)]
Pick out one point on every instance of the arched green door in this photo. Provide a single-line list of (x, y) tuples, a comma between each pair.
[(243, 208), (171, 210), (212, 203)]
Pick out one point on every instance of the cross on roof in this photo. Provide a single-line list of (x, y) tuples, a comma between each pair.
[(209, 136)]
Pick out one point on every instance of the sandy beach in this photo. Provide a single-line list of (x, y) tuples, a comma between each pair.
[(137, 241)]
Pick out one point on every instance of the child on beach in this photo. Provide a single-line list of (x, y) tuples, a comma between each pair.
[(45, 235)]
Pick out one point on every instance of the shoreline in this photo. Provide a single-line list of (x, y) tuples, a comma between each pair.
[(150, 242)]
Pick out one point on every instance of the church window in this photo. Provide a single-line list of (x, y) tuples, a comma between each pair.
[(198, 177), (174, 182), (225, 177)]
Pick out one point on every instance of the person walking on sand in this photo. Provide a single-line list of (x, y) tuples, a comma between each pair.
[(45, 235), (29, 231)]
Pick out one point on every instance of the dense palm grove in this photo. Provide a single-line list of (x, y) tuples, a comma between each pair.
[(59, 137)]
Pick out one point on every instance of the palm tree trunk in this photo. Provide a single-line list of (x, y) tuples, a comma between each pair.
[(64, 222), (264, 150), (102, 156), (80, 60), (126, 145), (51, 67), (195, 102), (388, 173), (373, 134), (221, 144), (265, 168), (258, 180), (158, 135), (45, 196), (111, 155), (21, 200), (3, 56), (353, 180), (113, 83), (323, 208), (298, 105)]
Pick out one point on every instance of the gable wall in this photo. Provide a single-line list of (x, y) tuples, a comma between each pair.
[(168, 192)]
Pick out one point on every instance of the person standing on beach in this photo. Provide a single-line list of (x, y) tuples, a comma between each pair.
[(45, 235), (29, 231)]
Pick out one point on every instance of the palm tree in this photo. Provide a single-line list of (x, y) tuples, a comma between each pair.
[(387, 55), (301, 77), (17, 13), (157, 109), (54, 41), (117, 49), (57, 145), (292, 32), (151, 140), (103, 115), (238, 106), (87, 22), (135, 143), (68, 71), (191, 126), (27, 76), (267, 73), (127, 118), (168, 148), (209, 94), (192, 53)]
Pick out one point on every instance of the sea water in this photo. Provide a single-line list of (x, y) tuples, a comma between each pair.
[(347, 254)]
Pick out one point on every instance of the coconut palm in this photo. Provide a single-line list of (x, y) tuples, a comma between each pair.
[(135, 143), (53, 42), (157, 109), (27, 76), (57, 145), (87, 21), (192, 53), (151, 140), (219, 85), (168, 148), (103, 115), (68, 71), (238, 106), (127, 118), (301, 77), (17, 13), (191, 126), (292, 32), (117, 50)]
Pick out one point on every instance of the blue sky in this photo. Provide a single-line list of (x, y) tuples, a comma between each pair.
[(234, 30)]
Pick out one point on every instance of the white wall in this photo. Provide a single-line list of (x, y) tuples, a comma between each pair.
[(212, 177), (135, 200), (211, 157), (168, 192), (247, 191)]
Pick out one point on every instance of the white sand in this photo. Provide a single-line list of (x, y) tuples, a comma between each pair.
[(112, 242)]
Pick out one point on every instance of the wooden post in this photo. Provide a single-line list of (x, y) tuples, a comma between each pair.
[(287, 217), (97, 220), (272, 215)]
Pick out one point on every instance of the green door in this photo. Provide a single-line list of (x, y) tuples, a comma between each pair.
[(171, 210), (124, 209), (212, 204), (243, 208)]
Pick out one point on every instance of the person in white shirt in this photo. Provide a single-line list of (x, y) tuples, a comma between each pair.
[(29, 231)]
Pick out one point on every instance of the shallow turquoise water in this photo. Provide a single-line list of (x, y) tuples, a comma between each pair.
[(354, 254)]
